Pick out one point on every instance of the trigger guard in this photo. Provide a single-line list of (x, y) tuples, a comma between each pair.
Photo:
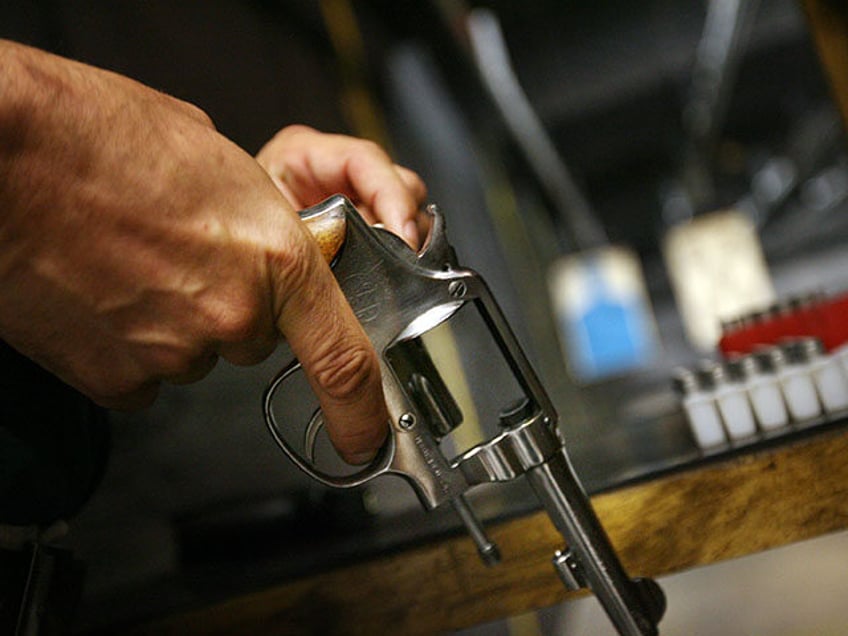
[(310, 436), (378, 466)]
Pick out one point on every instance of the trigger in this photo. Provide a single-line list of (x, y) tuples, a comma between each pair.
[(310, 436)]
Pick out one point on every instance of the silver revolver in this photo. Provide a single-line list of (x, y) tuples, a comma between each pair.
[(398, 295)]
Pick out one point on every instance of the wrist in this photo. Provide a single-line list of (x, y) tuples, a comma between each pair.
[(32, 88), (37, 89), (12, 97), (13, 133)]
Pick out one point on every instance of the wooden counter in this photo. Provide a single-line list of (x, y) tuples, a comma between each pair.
[(828, 20), (719, 511)]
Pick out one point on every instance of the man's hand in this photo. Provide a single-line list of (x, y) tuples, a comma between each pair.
[(308, 166), (137, 245)]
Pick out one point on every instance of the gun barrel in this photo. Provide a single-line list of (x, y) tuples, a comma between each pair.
[(634, 606)]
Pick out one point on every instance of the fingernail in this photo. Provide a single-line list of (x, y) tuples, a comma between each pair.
[(357, 459)]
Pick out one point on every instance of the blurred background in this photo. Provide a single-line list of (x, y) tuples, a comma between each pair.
[(626, 176)]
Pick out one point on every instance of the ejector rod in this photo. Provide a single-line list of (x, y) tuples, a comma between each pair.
[(633, 606)]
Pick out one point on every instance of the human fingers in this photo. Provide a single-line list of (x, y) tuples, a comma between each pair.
[(392, 194), (337, 357), (199, 369), (135, 400), (308, 166), (413, 182), (175, 219)]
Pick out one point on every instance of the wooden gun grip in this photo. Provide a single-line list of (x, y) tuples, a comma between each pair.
[(329, 230)]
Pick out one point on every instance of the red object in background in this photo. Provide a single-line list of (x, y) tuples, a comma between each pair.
[(819, 317)]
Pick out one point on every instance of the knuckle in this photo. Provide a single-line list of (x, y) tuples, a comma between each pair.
[(293, 266), (199, 115), (233, 316), (370, 149), (249, 353), (188, 109), (346, 371), (237, 323), (296, 129), (101, 387), (173, 362), (288, 138), (122, 393)]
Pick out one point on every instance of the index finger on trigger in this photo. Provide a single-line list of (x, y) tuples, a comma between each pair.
[(337, 357)]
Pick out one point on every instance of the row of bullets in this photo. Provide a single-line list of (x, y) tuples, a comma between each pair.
[(764, 392), (789, 306)]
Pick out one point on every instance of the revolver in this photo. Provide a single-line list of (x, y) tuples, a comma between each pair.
[(398, 295)]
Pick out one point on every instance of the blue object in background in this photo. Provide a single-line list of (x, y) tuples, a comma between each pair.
[(604, 314)]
